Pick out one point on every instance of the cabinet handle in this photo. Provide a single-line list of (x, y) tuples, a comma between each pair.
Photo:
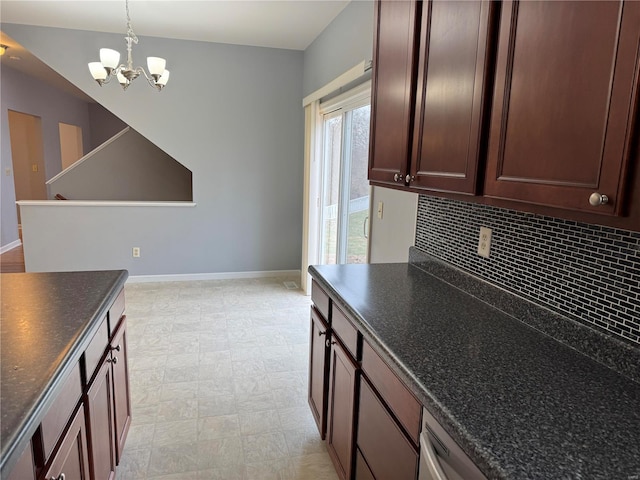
[(396, 177), (432, 462), (117, 349), (113, 360), (322, 333), (409, 178), (59, 477), (597, 199)]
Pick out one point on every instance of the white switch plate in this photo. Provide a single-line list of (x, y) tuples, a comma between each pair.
[(484, 242), (136, 252), (7, 172), (380, 210)]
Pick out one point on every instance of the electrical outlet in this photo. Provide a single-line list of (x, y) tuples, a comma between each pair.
[(484, 242), (136, 252), (380, 205)]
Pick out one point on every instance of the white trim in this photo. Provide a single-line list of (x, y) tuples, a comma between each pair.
[(342, 80), (10, 246), (90, 154), (186, 277), (356, 97), (100, 203)]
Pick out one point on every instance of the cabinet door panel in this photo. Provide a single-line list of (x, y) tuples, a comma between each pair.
[(121, 395), (564, 103), (454, 47), (25, 468), (392, 89), (388, 452), (99, 406), (318, 371), (71, 458), (342, 391)]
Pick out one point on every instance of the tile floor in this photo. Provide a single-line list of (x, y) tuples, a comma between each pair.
[(218, 373)]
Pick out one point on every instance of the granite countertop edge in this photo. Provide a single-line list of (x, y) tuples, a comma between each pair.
[(13, 446), (617, 355)]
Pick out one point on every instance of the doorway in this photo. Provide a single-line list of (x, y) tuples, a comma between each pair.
[(345, 194), (27, 156), (70, 144)]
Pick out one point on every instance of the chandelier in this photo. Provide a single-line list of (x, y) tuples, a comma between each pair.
[(107, 68)]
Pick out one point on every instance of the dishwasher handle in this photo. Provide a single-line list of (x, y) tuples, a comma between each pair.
[(433, 464)]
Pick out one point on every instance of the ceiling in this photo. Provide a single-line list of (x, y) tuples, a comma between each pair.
[(289, 24)]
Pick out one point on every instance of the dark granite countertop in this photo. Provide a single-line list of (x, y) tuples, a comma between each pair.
[(47, 320), (520, 403)]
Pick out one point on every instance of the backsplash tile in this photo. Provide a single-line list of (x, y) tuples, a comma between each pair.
[(586, 272)]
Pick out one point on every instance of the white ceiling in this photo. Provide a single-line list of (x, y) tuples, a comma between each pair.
[(292, 24), (289, 24)]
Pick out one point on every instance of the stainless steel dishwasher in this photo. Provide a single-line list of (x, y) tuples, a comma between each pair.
[(440, 457)]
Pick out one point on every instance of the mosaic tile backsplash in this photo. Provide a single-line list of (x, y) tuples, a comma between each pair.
[(586, 272)]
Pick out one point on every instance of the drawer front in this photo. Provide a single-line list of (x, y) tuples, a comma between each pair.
[(116, 311), (387, 451), (399, 399), (345, 330), (95, 350), (320, 299), (60, 411)]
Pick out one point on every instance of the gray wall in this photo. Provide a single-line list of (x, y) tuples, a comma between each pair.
[(232, 115), (347, 41), (128, 167), (104, 125), (25, 94)]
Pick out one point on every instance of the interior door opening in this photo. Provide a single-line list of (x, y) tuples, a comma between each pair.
[(27, 156), (345, 197)]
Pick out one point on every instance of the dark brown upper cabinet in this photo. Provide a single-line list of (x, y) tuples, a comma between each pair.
[(393, 93), (455, 47), (565, 103)]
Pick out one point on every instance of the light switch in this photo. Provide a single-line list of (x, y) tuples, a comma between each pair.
[(380, 210), (34, 167)]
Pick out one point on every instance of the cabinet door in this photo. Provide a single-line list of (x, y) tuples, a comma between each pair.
[(565, 101), (388, 452), (121, 394), (395, 44), (318, 371), (99, 406), (71, 458), (340, 416), (450, 99)]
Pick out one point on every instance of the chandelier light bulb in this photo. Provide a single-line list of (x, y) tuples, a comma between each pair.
[(97, 71), (109, 58), (156, 66)]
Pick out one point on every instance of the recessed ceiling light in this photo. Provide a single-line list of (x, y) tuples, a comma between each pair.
[(15, 57)]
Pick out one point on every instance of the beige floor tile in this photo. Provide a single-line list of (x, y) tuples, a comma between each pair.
[(219, 373)]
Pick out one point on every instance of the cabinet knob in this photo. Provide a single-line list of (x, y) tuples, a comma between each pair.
[(598, 199), (59, 477), (396, 177), (409, 178), (117, 349), (113, 360), (322, 333)]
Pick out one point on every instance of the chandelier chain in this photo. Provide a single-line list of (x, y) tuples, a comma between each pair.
[(129, 26)]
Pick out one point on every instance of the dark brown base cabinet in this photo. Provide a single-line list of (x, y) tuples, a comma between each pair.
[(383, 448), (340, 413), (109, 407), (82, 435), (318, 370), (71, 461)]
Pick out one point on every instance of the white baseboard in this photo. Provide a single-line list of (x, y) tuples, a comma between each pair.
[(185, 277), (10, 246)]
